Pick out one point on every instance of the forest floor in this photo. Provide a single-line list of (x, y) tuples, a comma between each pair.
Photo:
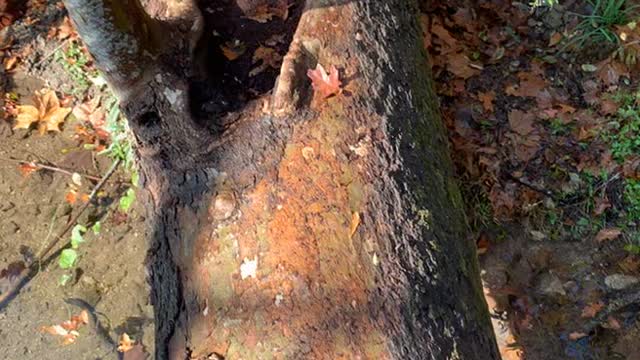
[(544, 129)]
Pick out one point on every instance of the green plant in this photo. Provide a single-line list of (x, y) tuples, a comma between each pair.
[(597, 27), (121, 147), (624, 132), (632, 199), (559, 127), (75, 62)]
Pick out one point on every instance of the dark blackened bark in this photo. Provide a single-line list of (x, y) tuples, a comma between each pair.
[(347, 207)]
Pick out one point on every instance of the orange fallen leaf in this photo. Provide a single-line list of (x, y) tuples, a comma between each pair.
[(608, 234), (269, 58), (68, 329), (10, 63), (487, 99), (125, 343), (592, 309), (27, 169), (355, 221), (47, 113), (233, 49), (325, 84)]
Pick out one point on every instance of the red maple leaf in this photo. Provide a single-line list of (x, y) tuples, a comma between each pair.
[(325, 84)]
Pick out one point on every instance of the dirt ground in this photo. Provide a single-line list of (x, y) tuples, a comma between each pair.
[(524, 122), (109, 277)]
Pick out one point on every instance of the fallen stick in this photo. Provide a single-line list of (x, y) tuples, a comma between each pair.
[(52, 168), (31, 270)]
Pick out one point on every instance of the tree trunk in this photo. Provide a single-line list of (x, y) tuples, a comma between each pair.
[(346, 207)]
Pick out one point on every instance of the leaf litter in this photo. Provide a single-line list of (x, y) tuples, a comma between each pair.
[(539, 140)]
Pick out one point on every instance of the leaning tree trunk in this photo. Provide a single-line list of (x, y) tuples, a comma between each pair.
[(297, 228)]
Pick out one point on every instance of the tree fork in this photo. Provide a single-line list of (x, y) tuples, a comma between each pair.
[(306, 228)]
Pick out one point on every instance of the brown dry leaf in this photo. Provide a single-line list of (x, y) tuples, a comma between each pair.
[(91, 112), (269, 58), (443, 34), (521, 122), (460, 65), (592, 309), (609, 72), (355, 222), (591, 92), (125, 343), (608, 234), (487, 99), (64, 31), (47, 112), (265, 12), (608, 107), (10, 62), (555, 39), (613, 323), (325, 84), (531, 85), (233, 49), (601, 204)]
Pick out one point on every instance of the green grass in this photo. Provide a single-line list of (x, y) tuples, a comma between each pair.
[(598, 27), (75, 62)]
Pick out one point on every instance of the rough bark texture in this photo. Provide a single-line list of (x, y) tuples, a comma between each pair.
[(347, 205)]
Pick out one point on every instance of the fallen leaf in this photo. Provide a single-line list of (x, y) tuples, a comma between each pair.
[(601, 204), (531, 84), (613, 323), (325, 84), (47, 113), (355, 221), (555, 39), (521, 122), (269, 58), (487, 99), (125, 343), (27, 169), (265, 12), (608, 234), (68, 328), (461, 66), (576, 335), (608, 107), (592, 309), (233, 49), (63, 31)]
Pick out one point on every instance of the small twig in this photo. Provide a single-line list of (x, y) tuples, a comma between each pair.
[(31, 270), (52, 168), (49, 54)]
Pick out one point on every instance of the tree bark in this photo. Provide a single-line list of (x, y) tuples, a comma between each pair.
[(347, 207)]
